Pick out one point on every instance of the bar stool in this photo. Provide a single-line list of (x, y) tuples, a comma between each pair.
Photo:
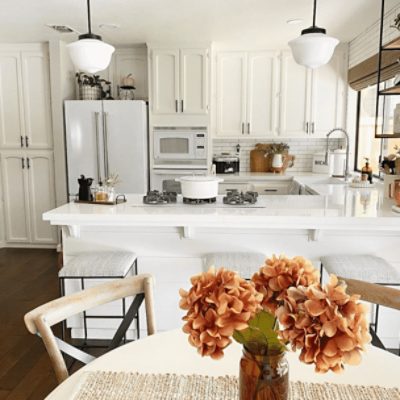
[(245, 263), (367, 268), (99, 266)]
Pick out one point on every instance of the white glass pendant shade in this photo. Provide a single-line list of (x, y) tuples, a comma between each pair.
[(313, 49), (90, 55)]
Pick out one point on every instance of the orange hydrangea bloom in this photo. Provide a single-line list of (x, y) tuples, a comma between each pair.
[(280, 273), (217, 304), (326, 324)]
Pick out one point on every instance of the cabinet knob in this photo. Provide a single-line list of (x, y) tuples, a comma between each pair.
[(242, 128), (26, 141), (22, 141), (23, 162), (306, 128), (313, 128), (28, 162), (176, 106), (248, 128)]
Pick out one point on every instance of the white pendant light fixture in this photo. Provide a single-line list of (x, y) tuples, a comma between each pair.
[(314, 47), (90, 53)]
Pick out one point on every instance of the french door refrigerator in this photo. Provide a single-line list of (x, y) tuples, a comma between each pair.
[(104, 138)]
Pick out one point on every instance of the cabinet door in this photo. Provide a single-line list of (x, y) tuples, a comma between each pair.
[(193, 74), (231, 94), (16, 200), (135, 64), (165, 81), (36, 91), (294, 98), (328, 96), (40, 172), (262, 94), (11, 108)]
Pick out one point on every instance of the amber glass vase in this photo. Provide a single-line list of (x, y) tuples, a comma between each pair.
[(264, 377)]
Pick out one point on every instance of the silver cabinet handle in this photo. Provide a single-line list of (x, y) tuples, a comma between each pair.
[(96, 127), (26, 141), (313, 128), (176, 106), (105, 138), (306, 129), (22, 141), (181, 105), (23, 162), (28, 162), (242, 128), (248, 128)]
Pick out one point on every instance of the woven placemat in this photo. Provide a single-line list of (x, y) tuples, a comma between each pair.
[(135, 386)]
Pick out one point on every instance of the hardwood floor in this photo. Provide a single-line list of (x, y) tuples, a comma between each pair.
[(28, 278)]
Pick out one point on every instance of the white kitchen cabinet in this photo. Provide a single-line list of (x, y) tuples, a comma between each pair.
[(25, 114), (28, 191), (312, 101), (131, 61), (179, 81), (247, 84)]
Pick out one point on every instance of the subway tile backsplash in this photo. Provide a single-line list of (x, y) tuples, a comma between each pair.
[(302, 148)]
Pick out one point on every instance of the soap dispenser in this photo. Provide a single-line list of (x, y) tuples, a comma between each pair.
[(366, 171)]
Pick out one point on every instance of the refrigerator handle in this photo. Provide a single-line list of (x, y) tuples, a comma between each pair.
[(96, 124), (105, 138)]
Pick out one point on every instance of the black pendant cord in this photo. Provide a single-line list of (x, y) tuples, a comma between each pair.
[(314, 15), (89, 18)]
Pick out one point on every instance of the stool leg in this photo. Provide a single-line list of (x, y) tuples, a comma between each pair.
[(376, 318), (321, 272), (123, 314), (84, 315), (137, 315), (62, 294)]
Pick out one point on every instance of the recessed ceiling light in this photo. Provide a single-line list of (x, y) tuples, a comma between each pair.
[(109, 27), (294, 21)]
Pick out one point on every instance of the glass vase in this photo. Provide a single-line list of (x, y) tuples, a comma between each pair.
[(264, 377)]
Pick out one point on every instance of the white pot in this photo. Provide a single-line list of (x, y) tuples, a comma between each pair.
[(199, 187)]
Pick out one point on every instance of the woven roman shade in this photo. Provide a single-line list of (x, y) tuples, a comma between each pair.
[(366, 73)]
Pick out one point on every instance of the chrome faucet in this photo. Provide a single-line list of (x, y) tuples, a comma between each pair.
[(346, 173)]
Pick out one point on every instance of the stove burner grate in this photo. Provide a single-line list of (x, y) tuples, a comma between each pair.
[(234, 197), (155, 197), (187, 200)]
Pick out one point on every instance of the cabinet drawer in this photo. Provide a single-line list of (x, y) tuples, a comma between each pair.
[(271, 188)]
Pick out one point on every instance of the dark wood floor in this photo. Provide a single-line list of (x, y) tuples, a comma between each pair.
[(28, 278)]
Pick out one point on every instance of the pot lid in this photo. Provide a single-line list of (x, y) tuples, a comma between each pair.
[(201, 178)]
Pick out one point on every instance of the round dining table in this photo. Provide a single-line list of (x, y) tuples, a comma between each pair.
[(170, 352)]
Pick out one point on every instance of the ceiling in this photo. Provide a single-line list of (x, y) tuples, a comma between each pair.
[(259, 22)]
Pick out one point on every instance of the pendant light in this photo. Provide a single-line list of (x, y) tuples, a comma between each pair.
[(314, 47), (90, 53)]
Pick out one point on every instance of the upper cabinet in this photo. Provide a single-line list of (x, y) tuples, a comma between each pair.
[(247, 84), (130, 61), (25, 113), (179, 81), (312, 102)]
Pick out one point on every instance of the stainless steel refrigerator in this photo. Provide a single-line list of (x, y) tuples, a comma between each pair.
[(104, 138)]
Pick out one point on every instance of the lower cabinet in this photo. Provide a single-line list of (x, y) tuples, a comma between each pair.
[(28, 191)]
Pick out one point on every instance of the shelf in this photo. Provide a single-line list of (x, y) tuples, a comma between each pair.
[(392, 91), (392, 45)]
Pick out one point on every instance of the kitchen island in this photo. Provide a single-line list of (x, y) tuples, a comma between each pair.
[(171, 240)]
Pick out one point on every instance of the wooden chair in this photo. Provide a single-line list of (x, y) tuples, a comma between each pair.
[(375, 294), (40, 320)]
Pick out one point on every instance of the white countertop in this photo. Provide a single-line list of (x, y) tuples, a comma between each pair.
[(337, 206)]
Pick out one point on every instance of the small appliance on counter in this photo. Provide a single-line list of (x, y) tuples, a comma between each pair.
[(85, 191), (226, 163), (319, 165), (337, 161)]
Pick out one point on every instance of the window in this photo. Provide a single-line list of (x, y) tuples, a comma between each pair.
[(367, 146)]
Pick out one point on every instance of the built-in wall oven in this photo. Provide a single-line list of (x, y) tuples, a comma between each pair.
[(180, 147)]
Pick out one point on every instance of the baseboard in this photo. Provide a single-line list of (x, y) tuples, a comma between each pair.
[(29, 246)]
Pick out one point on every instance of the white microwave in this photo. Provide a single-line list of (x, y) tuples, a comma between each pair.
[(175, 145)]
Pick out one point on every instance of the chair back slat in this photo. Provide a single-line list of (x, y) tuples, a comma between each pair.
[(374, 293), (40, 320)]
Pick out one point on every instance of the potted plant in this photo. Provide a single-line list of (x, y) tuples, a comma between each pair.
[(282, 305), (277, 150), (90, 86)]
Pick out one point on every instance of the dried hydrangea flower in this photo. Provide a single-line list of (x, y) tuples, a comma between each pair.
[(326, 324), (218, 303), (280, 273)]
